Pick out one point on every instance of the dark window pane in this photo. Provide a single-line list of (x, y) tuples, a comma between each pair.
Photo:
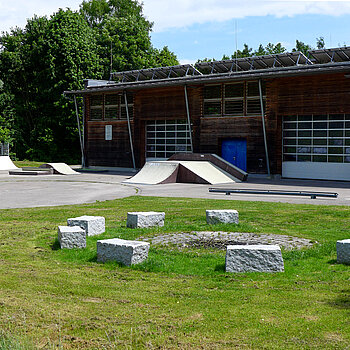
[(335, 150), (234, 90), (112, 100), (304, 149), (347, 159), (319, 150), (302, 158), (336, 117), (290, 158), (254, 106), (96, 113), (253, 89), (336, 142), (213, 91), (111, 112), (304, 133), (319, 158), (347, 150), (96, 100), (320, 133), (234, 107), (304, 141), (290, 142), (290, 149), (212, 108), (304, 125), (320, 117), (292, 133), (305, 118), (290, 125), (336, 125), (347, 142), (335, 159), (320, 141), (336, 133), (320, 125)]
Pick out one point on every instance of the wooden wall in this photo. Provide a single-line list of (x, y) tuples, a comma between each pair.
[(315, 94), (284, 96)]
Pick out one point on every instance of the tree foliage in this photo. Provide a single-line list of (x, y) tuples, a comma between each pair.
[(51, 55)]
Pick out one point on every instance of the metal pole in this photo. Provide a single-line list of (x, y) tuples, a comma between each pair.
[(80, 138), (264, 128), (188, 118), (129, 128)]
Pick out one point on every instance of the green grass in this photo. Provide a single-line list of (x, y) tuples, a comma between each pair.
[(27, 163), (176, 299)]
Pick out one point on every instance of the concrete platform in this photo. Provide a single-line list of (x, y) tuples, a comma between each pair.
[(37, 191)]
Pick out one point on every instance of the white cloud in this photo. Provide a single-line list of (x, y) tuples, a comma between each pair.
[(168, 14), (16, 12)]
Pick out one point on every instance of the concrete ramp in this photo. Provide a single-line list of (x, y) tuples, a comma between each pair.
[(60, 168), (6, 163), (206, 173), (156, 173), (161, 172)]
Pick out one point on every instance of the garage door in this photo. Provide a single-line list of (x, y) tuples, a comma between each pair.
[(316, 147), (167, 137)]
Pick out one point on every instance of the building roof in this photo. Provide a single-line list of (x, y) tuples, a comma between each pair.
[(268, 66)]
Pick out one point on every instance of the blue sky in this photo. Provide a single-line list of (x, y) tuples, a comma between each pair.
[(196, 29), (213, 39)]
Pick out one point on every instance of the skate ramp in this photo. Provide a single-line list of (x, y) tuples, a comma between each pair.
[(161, 172), (6, 163), (202, 172), (60, 168), (156, 173)]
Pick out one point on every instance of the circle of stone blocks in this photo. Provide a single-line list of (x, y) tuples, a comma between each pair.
[(93, 225), (254, 258), (343, 251), (226, 216), (71, 237), (123, 251), (145, 219)]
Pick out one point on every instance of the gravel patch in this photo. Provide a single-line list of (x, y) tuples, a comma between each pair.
[(219, 240)]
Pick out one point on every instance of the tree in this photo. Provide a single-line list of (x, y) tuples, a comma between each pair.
[(37, 64), (320, 44), (123, 36), (6, 116), (302, 47)]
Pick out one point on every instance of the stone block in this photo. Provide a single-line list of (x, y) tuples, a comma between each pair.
[(145, 219), (343, 251), (93, 225), (123, 251), (71, 237), (254, 258), (226, 216)]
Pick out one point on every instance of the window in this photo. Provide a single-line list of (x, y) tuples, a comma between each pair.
[(233, 99), (110, 107), (316, 138)]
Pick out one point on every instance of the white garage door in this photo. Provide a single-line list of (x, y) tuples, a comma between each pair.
[(316, 147), (167, 137)]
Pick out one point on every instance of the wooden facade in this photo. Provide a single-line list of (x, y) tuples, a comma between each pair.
[(284, 96)]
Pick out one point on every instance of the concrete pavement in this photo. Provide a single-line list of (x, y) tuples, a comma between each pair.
[(20, 191)]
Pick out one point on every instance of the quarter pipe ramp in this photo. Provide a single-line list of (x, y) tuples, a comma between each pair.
[(60, 168), (6, 163)]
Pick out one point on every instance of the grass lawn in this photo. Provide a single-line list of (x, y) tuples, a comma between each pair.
[(52, 298), (27, 163)]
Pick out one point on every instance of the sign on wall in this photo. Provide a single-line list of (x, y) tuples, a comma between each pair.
[(108, 132)]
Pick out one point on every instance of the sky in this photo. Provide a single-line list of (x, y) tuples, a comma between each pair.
[(196, 29)]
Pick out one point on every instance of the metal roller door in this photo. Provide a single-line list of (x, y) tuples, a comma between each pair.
[(316, 147), (167, 137)]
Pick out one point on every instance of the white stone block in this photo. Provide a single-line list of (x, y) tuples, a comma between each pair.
[(71, 237), (254, 258), (343, 251), (226, 216), (123, 251), (145, 219), (93, 225)]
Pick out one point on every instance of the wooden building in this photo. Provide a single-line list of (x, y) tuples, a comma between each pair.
[(282, 114)]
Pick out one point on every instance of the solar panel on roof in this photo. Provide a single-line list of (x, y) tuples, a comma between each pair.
[(255, 62), (339, 54), (156, 73)]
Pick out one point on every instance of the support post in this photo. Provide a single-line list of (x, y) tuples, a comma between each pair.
[(188, 118), (264, 128), (129, 129), (80, 137)]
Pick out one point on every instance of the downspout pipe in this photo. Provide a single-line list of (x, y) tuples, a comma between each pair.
[(129, 129), (264, 128), (188, 117)]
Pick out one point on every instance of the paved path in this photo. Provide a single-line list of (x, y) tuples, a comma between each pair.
[(46, 190)]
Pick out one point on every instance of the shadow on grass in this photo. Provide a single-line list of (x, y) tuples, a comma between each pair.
[(342, 301), (56, 245), (220, 268), (93, 258), (332, 261)]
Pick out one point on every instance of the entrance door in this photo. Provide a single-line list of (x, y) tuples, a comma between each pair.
[(235, 152)]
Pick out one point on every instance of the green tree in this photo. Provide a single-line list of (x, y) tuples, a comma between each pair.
[(6, 116), (37, 64), (320, 44), (302, 47)]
